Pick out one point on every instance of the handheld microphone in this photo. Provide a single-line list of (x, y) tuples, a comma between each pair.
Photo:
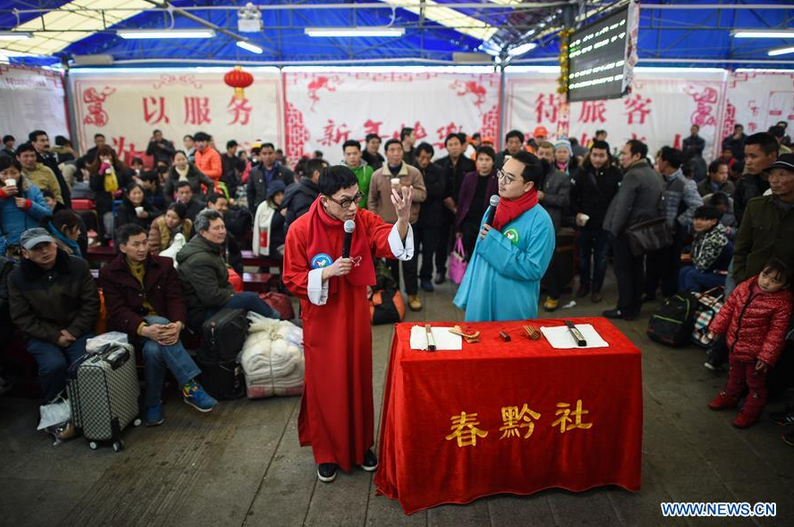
[(494, 202), (350, 226)]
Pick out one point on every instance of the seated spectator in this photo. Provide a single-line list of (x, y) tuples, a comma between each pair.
[(232, 253), (711, 253), (38, 173), (21, 206), (185, 196), (205, 277), (150, 181), (165, 228), (65, 226), (298, 198), (108, 178), (269, 236), (135, 208), (55, 303), (724, 204), (143, 299), (717, 180), (49, 198), (183, 170)]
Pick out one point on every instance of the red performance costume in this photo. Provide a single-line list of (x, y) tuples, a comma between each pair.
[(337, 416)]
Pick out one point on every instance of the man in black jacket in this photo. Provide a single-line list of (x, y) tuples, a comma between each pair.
[(432, 215), (760, 151), (184, 194), (233, 167), (455, 166), (41, 142), (694, 144), (299, 198), (160, 149), (594, 186), (263, 173), (735, 142)]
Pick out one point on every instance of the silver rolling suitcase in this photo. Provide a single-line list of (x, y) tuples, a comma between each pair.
[(103, 393)]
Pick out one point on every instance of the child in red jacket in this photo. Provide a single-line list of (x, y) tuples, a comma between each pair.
[(755, 318)]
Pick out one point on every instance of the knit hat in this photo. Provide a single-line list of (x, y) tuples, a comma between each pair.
[(786, 162), (562, 142), (32, 237)]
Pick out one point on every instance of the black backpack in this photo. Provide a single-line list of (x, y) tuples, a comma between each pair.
[(673, 322), (223, 336)]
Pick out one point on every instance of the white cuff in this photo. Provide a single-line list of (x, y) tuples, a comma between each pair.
[(318, 290), (400, 251)]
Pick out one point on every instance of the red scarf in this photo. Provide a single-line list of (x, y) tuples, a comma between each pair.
[(510, 209), (322, 249)]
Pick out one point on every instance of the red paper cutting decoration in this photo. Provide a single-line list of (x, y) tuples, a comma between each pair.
[(238, 79)]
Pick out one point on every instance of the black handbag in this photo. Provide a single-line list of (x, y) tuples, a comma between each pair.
[(223, 335), (222, 380), (649, 235)]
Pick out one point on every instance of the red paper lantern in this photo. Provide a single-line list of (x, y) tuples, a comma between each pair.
[(238, 79)]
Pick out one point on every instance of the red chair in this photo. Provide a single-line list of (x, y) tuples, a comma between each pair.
[(83, 204)]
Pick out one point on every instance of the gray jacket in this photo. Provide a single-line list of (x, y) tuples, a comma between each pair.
[(636, 200), (557, 196), (681, 198)]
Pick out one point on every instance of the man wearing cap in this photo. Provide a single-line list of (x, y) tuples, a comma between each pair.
[(54, 301), (538, 136)]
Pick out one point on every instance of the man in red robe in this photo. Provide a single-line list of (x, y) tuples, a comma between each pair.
[(337, 415)]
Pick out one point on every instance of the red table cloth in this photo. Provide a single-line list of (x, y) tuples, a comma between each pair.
[(509, 417)]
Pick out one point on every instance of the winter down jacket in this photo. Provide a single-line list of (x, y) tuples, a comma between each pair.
[(754, 323)]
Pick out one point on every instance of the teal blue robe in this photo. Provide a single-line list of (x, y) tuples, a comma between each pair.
[(502, 280)]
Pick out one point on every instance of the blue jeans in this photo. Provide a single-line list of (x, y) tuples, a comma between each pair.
[(593, 243), (249, 301), (690, 279), (53, 363), (157, 357)]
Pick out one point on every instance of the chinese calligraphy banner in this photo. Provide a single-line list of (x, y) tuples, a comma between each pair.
[(326, 109), (127, 105), (758, 100), (32, 99), (509, 417), (659, 110)]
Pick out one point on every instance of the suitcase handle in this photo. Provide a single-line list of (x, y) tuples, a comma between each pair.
[(117, 358)]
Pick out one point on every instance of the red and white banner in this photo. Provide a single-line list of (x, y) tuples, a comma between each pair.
[(127, 105), (326, 109), (31, 99), (759, 100), (659, 110)]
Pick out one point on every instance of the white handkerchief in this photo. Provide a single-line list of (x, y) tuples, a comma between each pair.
[(444, 339), (560, 337)]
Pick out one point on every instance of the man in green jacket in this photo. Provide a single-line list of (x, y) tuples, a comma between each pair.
[(767, 227), (205, 277), (363, 172)]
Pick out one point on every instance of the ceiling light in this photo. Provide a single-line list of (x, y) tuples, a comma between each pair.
[(523, 48), (15, 35), (355, 31), (165, 33), (780, 51), (763, 33), (248, 46)]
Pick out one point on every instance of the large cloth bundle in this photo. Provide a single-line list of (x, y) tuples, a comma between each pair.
[(272, 358)]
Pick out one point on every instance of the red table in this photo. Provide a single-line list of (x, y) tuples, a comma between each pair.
[(509, 417)]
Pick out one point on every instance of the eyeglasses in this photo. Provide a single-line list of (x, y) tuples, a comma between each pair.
[(346, 202), (509, 178)]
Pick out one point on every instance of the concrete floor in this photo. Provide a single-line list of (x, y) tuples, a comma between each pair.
[(242, 465)]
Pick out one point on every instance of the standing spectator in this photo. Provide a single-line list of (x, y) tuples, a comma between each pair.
[(408, 139), (779, 133), (144, 300), (539, 135), (8, 146), (554, 195), (41, 142), (514, 142), (579, 151), (353, 160), (680, 201), (299, 198), (760, 152), (55, 303), (165, 228), (394, 175), (189, 145), (207, 159), (371, 154), (205, 277), (564, 161), (279, 156), (233, 167), (474, 198), (159, 148), (735, 142), (37, 173), (432, 215), (546, 151), (90, 156), (184, 170), (22, 206), (262, 174), (637, 200), (717, 180), (108, 178), (135, 208), (711, 253), (593, 188), (694, 144)]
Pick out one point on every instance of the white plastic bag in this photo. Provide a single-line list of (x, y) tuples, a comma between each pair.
[(55, 413), (96, 344), (174, 248)]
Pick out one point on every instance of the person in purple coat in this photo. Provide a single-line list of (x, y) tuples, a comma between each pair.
[(475, 192)]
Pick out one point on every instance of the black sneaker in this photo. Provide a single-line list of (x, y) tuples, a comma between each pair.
[(370, 463), (326, 472), (789, 438), (440, 278), (783, 418), (613, 313)]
